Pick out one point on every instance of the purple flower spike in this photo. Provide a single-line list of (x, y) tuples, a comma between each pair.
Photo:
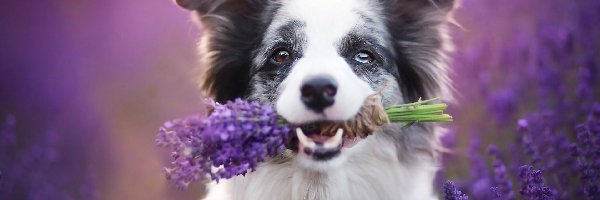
[(501, 175), (587, 154), (452, 193), (532, 185), (231, 141)]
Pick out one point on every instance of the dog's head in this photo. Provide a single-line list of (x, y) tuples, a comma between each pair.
[(317, 60)]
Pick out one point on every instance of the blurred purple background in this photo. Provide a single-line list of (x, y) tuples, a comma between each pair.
[(97, 79), (104, 75)]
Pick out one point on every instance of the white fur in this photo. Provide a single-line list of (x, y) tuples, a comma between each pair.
[(371, 171)]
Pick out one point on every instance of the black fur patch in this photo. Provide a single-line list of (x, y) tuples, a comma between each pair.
[(416, 29), (235, 28)]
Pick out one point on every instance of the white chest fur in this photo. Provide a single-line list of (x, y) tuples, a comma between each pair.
[(372, 171)]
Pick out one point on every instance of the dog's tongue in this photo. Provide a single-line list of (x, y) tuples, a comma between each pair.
[(346, 142), (319, 138)]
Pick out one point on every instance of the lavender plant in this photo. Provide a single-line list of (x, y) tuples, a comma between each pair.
[(36, 168), (501, 175), (452, 193), (234, 139), (545, 86), (533, 187), (587, 154), (239, 135)]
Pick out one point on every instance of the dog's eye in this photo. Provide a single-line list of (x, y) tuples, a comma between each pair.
[(281, 55), (364, 57)]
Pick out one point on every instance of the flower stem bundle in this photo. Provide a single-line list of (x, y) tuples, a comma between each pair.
[(372, 115), (420, 111)]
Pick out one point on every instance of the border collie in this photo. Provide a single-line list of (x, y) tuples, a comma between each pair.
[(318, 60)]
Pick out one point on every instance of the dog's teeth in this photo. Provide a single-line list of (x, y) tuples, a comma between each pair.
[(305, 141), (336, 140)]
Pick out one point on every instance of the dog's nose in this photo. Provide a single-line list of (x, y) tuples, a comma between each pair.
[(318, 92)]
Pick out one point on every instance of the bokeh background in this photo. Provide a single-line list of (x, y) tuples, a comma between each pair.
[(84, 86)]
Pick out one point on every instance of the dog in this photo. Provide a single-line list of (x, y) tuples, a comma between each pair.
[(316, 61)]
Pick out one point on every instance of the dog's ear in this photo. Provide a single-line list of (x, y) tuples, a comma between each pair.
[(202, 6), (441, 5), (232, 29), (188, 4), (421, 44), (446, 5)]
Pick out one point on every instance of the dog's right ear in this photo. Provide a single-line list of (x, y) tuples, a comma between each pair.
[(231, 30), (202, 6), (188, 4)]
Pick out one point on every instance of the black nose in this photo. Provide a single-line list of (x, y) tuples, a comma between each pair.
[(318, 92)]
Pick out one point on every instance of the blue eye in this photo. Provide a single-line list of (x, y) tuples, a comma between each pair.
[(364, 57)]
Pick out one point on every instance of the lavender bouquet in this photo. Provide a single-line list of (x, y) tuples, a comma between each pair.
[(238, 135)]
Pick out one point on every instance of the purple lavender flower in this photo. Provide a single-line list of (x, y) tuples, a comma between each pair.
[(480, 180), (178, 135), (40, 169), (526, 142), (501, 175), (587, 153), (452, 193), (234, 139), (532, 185)]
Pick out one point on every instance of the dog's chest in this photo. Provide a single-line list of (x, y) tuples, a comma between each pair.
[(374, 173), (343, 184)]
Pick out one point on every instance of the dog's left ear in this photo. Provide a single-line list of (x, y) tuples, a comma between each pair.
[(421, 44), (202, 6), (444, 6), (188, 4)]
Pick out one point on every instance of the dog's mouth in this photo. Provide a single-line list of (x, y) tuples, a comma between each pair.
[(324, 139), (310, 141)]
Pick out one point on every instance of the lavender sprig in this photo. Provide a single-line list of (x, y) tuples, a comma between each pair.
[(452, 193), (587, 154), (532, 185), (501, 175), (238, 135), (231, 141)]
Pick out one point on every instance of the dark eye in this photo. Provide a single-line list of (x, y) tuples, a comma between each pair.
[(281, 55), (364, 57)]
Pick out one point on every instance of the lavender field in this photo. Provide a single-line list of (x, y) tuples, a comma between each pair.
[(85, 85)]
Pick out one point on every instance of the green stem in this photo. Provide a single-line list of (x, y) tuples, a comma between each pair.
[(420, 111)]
